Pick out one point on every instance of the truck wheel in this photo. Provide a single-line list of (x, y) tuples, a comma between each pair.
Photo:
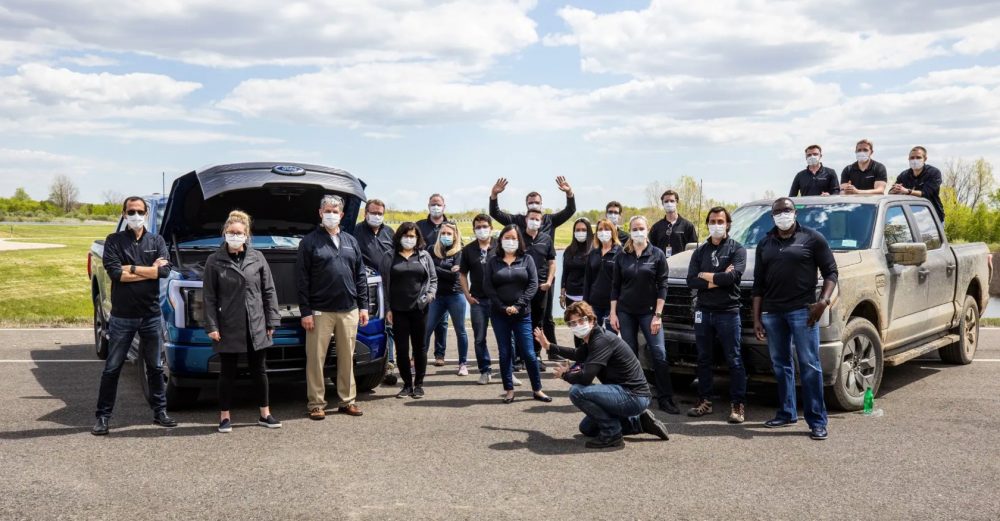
[(370, 381), (860, 366), (101, 338), (963, 351), (177, 397)]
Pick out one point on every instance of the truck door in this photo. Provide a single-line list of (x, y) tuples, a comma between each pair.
[(905, 287), (939, 273)]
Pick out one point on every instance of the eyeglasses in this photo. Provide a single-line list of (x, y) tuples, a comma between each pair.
[(136, 212), (577, 322), (782, 210)]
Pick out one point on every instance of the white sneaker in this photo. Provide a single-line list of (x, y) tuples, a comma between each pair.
[(484, 379), (517, 383), (463, 370)]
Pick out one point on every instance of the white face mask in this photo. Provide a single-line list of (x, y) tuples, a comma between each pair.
[(580, 236), (135, 222), (717, 231), (670, 207), (509, 245), (534, 224), (604, 236), (916, 164), (408, 243), (812, 160), (331, 219), (235, 240), (581, 330), (615, 218), (482, 233), (375, 220), (436, 210), (535, 206), (638, 236), (784, 221), (862, 156)]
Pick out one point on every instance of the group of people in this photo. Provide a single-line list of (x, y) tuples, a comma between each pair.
[(613, 280)]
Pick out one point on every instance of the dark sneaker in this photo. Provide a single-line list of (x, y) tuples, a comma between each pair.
[(607, 443), (101, 427), (818, 433), (650, 425), (668, 406), (778, 422), (418, 392), (163, 420), (737, 413), (270, 422), (704, 407), (225, 426), (405, 392)]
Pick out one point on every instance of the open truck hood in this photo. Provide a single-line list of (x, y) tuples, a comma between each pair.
[(281, 198)]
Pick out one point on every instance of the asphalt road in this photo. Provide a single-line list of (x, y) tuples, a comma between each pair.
[(461, 454)]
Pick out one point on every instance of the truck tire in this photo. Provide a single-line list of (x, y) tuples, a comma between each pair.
[(101, 338), (370, 381), (963, 351), (860, 366), (177, 397)]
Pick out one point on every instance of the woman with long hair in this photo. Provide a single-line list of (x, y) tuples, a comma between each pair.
[(575, 263), (450, 300), (600, 270)]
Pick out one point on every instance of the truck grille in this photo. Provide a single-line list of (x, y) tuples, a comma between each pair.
[(679, 306)]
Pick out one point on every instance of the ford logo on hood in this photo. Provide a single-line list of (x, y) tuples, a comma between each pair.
[(288, 170)]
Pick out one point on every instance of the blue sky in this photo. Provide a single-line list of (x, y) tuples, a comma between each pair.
[(421, 96)]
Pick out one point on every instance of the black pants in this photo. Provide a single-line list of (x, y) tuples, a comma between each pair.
[(408, 328), (540, 309), (549, 326), (257, 362)]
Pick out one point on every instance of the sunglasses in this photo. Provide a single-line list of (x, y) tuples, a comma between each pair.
[(136, 212)]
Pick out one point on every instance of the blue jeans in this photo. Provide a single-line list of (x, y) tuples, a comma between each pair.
[(785, 329), (724, 327), (630, 326), (437, 313), (611, 410), (602, 317), (440, 334), (516, 328), (122, 331), (480, 321)]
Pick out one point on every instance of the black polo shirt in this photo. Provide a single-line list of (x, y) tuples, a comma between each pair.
[(806, 183), (550, 221), (606, 357), (928, 183), (542, 249), (330, 278), (784, 273), (429, 230), (712, 258), (510, 285), (374, 245), (675, 236), (864, 179), (639, 281), (134, 299), (599, 276), (473, 266)]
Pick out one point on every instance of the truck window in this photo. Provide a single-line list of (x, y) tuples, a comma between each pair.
[(897, 229), (846, 226), (926, 225)]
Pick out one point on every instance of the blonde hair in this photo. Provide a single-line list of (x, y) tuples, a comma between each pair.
[(237, 217), (614, 232), (456, 246), (629, 245)]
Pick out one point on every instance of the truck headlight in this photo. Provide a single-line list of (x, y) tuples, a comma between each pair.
[(374, 300), (194, 307)]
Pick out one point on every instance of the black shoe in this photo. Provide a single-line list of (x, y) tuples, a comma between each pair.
[(406, 391), (542, 398), (606, 443), (101, 427), (668, 406), (225, 426), (778, 422), (418, 392), (650, 425), (163, 420), (270, 422), (818, 433)]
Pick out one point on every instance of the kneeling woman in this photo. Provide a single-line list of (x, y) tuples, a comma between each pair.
[(511, 281), (241, 313), (619, 405)]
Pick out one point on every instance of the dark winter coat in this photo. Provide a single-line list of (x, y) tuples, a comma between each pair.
[(233, 295)]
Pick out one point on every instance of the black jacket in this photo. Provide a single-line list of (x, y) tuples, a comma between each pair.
[(806, 183), (676, 237), (238, 299), (549, 221), (134, 299), (928, 183), (639, 281), (330, 278), (709, 258), (429, 289), (784, 272), (606, 357), (599, 275), (510, 285), (429, 230), (373, 245), (574, 272), (448, 283)]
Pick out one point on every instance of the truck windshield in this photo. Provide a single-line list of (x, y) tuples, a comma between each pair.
[(846, 226), (261, 242)]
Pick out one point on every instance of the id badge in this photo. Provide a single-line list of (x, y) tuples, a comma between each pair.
[(697, 317)]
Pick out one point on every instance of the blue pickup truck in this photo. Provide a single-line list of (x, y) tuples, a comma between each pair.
[(283, 199)]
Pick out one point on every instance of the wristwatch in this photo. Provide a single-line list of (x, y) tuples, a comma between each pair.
[(658, 315), (131, 269)]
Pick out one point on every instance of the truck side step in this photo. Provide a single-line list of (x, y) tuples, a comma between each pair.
[(910, 354)]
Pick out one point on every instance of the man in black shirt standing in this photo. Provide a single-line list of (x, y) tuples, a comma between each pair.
[(619, 405), (475, 255), (673, 233), (715, 271), (785, 308), (541, 248), (134, 260), (816, 179), (864, 176), (429, 229), (374, 237), (921, 180), (613, 212)]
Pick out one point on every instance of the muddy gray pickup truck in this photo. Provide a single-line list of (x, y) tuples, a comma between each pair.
[(903, 291)]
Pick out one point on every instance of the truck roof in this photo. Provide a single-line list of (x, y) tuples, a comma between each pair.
[(833, 199)]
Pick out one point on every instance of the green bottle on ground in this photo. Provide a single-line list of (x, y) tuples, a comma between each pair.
[(869, 401)]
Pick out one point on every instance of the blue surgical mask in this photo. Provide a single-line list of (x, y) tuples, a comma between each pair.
[(446, 240)]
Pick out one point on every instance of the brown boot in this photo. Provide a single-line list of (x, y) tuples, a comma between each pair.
[(737, 413)]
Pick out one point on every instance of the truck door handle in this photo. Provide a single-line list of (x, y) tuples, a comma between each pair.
[(923, 272), (950, 269)]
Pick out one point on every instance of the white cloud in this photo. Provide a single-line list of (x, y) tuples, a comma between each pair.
[(90, 60)]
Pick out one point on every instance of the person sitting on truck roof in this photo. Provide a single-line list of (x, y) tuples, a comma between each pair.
[(920, 180), (864, 176), (134, 260), (619, 404), (241, 314), (816, 179)]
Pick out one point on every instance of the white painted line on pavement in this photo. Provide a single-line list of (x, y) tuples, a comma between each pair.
[(46, 329)]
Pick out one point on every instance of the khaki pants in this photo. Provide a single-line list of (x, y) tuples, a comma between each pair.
[(343, 326)]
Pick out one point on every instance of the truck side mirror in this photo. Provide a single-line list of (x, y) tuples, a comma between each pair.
[(908, 253), (691, 246)]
